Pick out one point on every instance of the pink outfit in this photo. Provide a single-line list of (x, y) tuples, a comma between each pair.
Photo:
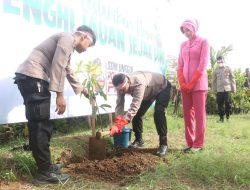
[(194, 55), (194, 108), (192, 25)]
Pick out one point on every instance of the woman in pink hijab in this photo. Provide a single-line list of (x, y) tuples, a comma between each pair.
[(193, 80)]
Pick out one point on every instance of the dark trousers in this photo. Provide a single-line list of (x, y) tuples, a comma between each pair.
[(36, 98), (161, 102), (224, 104)]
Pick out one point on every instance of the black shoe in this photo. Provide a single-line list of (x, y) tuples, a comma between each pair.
[(221, 120), (137, 144), (187, 149), (49, 178), (56, 168), (162, 150)]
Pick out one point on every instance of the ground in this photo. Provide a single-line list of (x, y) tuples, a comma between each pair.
[(227, 144), (120, 166)]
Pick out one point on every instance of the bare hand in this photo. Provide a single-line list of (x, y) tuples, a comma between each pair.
[(60, 103), (85, 93)]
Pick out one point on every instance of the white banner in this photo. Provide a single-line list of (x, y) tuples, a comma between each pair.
[(127, 40)]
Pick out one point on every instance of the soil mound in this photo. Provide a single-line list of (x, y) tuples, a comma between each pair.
[(120, 166)]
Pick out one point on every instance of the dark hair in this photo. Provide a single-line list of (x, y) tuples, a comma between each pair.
[(118, 79), (85, 28), (220, 58)]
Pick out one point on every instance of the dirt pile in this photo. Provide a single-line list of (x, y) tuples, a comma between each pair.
[(119, 167)]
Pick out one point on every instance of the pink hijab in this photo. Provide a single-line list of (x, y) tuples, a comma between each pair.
[(191, 24)]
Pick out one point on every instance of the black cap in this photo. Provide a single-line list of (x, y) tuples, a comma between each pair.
[(220, 58)]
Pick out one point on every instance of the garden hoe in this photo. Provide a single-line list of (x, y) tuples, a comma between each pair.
[(97, 145), (97, 148)]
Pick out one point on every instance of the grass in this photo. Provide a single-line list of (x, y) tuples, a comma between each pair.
[(223, 164)]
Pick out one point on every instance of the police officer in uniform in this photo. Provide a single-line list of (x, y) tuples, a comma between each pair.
[(45, 70), (145, 88), (223, 83)]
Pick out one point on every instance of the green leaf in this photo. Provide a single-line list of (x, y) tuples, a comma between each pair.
[(92, 72)]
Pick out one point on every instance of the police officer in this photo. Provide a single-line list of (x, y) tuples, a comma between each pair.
[(145, 88), (247, 78), (45, 70), (223, 83)]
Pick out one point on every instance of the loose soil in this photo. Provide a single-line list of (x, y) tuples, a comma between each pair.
[(120, 166)]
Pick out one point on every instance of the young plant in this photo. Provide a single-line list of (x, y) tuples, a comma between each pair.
[(91, 72)]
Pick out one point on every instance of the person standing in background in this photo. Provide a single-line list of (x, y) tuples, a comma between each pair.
[(247, 78), (223, 83), (193, 79), (247, 83)]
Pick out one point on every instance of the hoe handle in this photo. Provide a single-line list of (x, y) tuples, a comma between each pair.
[(100, 134)]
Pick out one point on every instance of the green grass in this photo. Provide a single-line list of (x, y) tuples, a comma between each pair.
[(223, 164)]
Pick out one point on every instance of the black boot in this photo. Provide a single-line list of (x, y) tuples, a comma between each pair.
[(49, 177), (138, 142), (221, 120), (163, 149)]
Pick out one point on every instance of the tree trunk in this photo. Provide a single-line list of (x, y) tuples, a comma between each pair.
[(93, 118)]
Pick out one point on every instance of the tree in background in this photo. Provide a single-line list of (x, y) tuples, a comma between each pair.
[(223, 51), (175, 90), (240, 99)]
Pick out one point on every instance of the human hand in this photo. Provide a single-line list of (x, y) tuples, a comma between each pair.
[(183, 87), (181, 79), (85, 93), (114, 130), (121, 121), (189, 87), (196, 76), (60, 103)]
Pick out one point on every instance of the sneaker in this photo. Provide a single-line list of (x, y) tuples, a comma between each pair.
[(137, 144), (162, 151), (198, 149), (49, 178), (187, 149)]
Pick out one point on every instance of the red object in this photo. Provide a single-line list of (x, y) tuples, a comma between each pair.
[(120, 122), (114, 130), (193, 81), (181, 79)]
